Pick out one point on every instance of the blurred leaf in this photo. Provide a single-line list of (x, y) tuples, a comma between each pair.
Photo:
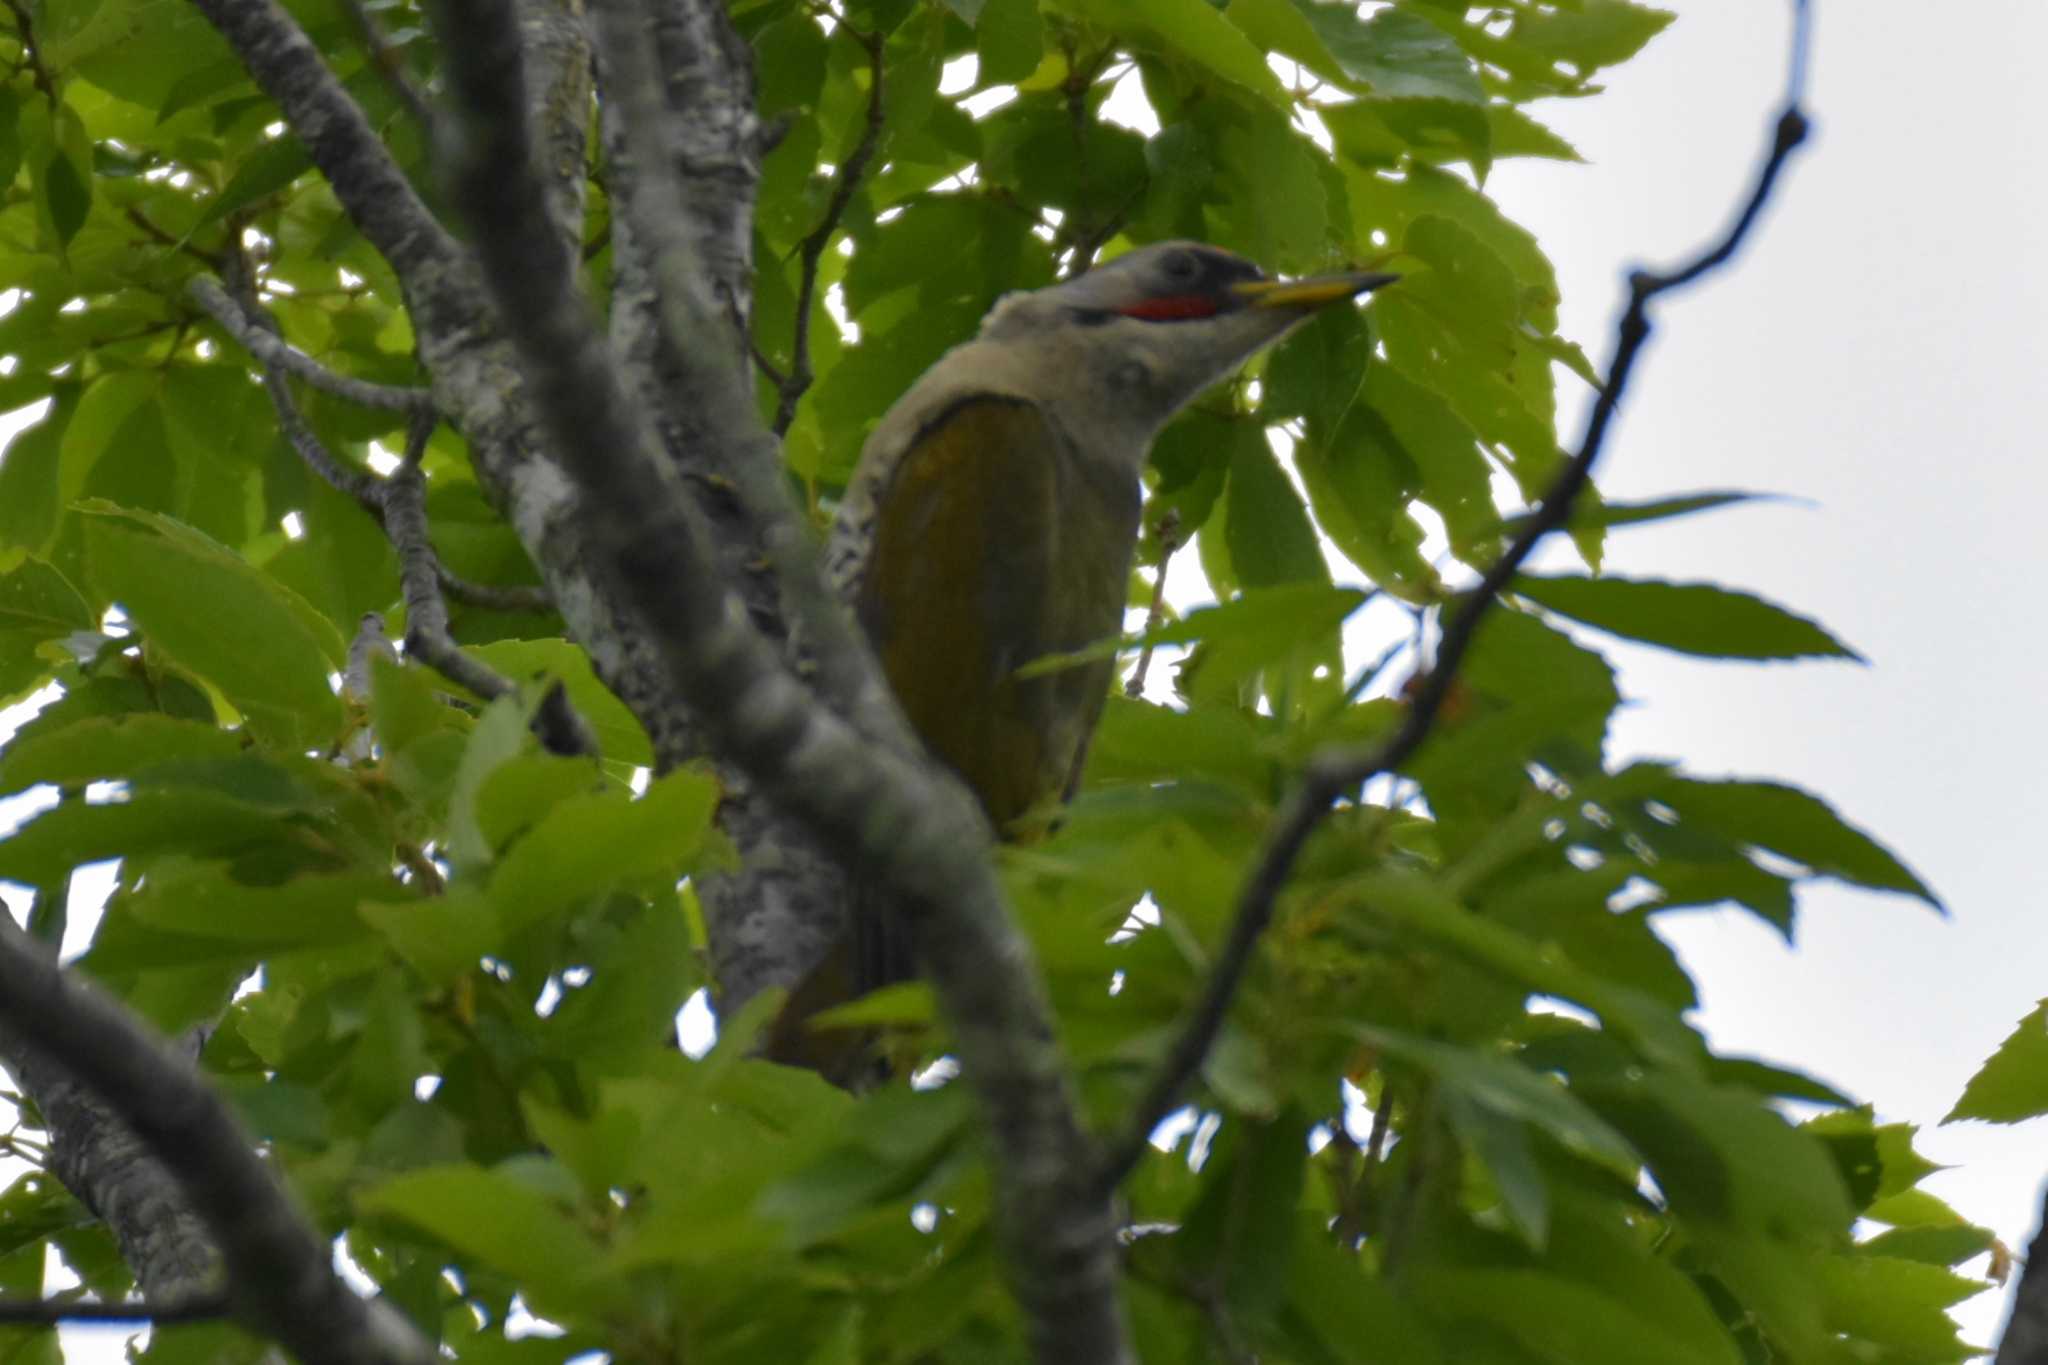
[(1196, 31), (1589, 35), (503, 1223), (1796, 825), (1692, 618), (1009, 39)]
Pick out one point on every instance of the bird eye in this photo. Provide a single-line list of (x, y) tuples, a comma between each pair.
[(1181, 265)]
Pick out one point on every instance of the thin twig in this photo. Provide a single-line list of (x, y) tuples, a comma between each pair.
[(32, 55), (427, 638), (249, 324), (844, 183), (1169, 541), (493, 596), (262, 339), (1335, 772), (52, 1311), (390, 63)]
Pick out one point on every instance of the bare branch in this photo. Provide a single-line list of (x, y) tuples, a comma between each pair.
[(261, 338), (53, 1311), (1335, 772), (279, 1268), (427, 637), (493, 596), (32, 55), (917, 833), (390, 63), (794, 384), (367, 181), (1169, 541)]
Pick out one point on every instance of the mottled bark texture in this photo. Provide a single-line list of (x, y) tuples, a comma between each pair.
[(772, 920)]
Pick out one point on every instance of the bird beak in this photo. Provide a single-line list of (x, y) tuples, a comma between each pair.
[(1313, 292)]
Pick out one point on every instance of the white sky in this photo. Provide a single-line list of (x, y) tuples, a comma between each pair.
[(1873, 352)]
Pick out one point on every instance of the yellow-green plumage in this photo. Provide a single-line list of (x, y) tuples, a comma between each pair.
[(998, 545)]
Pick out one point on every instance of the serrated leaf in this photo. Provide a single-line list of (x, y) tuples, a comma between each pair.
[(1692, 618), (1591, 34), (1394, 53), (1796, 825), (1194, 30), (212, 613), (2012, 1085), (126, 747)]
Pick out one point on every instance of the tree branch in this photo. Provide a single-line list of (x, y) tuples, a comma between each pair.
[(52, 1311), (367, 181), (263, 341), (1334, 772), (917, 833), (797, 381), (404, 504), (280, 1269)]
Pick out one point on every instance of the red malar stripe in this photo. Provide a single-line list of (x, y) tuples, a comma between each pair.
[(1168, 310)]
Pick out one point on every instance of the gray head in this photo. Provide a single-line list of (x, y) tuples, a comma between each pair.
[(1131, 342)]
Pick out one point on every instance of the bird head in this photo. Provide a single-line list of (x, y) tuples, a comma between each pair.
[(1128, 344)]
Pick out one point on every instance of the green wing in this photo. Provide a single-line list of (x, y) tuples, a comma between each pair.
[(995, 545)]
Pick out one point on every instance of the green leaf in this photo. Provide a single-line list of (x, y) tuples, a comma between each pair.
[(1692, 618), (588, 844), (1949, 1246), (32, 487), (1196, 31), (1394, 53), (1605, 514), (1796, 825), (443, 938), (37, 605), (1240, 1233), (503, 1223), (129, 747), (889, 1148), (1901, 1303), (199, 824), (1591, 34), (1276, 206), (68, 196), (2012, 1085), (618, 731), (498, 737), (1514, 133), (1009, 40), (1557, 1318), (269, 169), (1501, 1086), (1271, 541), (207, 610), (1724, 1158)]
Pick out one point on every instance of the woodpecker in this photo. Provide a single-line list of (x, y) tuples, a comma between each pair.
[(993, 514)]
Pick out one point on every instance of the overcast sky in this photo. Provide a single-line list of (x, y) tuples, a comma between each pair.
[(1876, 352)]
